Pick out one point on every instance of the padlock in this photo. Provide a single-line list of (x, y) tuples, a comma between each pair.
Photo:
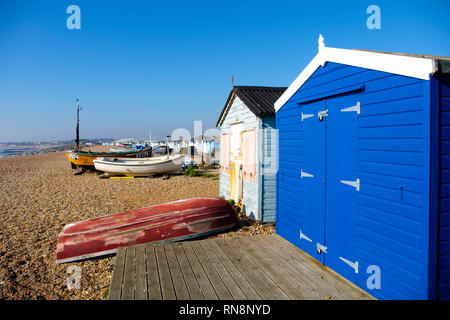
[(322, 114)]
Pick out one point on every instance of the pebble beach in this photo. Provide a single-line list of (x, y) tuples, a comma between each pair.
[(39, 195)]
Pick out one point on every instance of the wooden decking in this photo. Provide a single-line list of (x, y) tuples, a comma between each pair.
[(258, 267)]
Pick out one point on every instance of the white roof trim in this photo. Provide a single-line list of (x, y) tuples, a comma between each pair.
[(224, 114), (414, 67)]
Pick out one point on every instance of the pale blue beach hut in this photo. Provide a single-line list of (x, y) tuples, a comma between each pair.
[(248, 150)]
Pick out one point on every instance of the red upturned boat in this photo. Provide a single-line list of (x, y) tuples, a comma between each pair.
[(173, 221)]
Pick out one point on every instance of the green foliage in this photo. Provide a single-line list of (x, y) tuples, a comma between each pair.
[(231, 201), (190, 171), (106, 293), (211, 175)]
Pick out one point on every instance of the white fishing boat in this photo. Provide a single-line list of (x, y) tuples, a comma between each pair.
[(139, 167)]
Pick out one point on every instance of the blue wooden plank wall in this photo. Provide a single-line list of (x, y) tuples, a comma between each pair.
[(393, 144), (444, 212)]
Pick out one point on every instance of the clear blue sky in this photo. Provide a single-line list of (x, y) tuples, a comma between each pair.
[(140, 66)]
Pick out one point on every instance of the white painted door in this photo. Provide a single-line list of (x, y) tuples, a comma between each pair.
[(236, 159)]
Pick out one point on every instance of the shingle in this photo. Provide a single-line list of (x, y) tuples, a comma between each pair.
[(260, 100)]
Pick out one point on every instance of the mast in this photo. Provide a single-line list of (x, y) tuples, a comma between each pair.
[(167, 145), (77, 138)]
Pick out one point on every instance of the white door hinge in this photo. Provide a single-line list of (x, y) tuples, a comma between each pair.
[(354, 265), (306, 116), (303, 236), (356, 108), (305, 175), (355, 184)]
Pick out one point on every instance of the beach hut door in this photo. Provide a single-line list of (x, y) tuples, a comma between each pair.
[(330, 183), (236, 163), (343, 185), (311, 174)]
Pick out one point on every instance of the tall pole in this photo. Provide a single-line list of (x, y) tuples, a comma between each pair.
[(167, 144), (201, 144), (77, 138)]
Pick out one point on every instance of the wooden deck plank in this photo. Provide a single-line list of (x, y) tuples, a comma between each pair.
[(306, 267), (237, 275), (265, 266), (314, 268), (153, 287), (350, 288), (267, 281), (299, 272), (202, 279), (129, 275), (179, 284), (165, 278), (271, 279), (191, 282), (214, 278), (295, 277), (232, 286), (141, 273), (115, 289), (249, 269), (327, 279), (274, 270)]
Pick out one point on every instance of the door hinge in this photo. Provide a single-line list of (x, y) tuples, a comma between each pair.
[(354, 265), (306, 116), (305, 175), (355, 184), (321, 248), (303, 236), (356, 108)]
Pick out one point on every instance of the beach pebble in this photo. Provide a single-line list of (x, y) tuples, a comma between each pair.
[(40, 195)]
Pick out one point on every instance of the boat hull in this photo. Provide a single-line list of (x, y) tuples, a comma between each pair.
[(139, 168), (86, 159), (173, 221), (120, 150)]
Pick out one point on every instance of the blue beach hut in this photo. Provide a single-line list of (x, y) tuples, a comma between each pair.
[(248, 150), (363, 184)]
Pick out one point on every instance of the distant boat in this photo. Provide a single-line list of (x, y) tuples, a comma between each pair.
[(119, 150), (128, 147), (139, 167), (125, 146), (84, 159), (173, 221)]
